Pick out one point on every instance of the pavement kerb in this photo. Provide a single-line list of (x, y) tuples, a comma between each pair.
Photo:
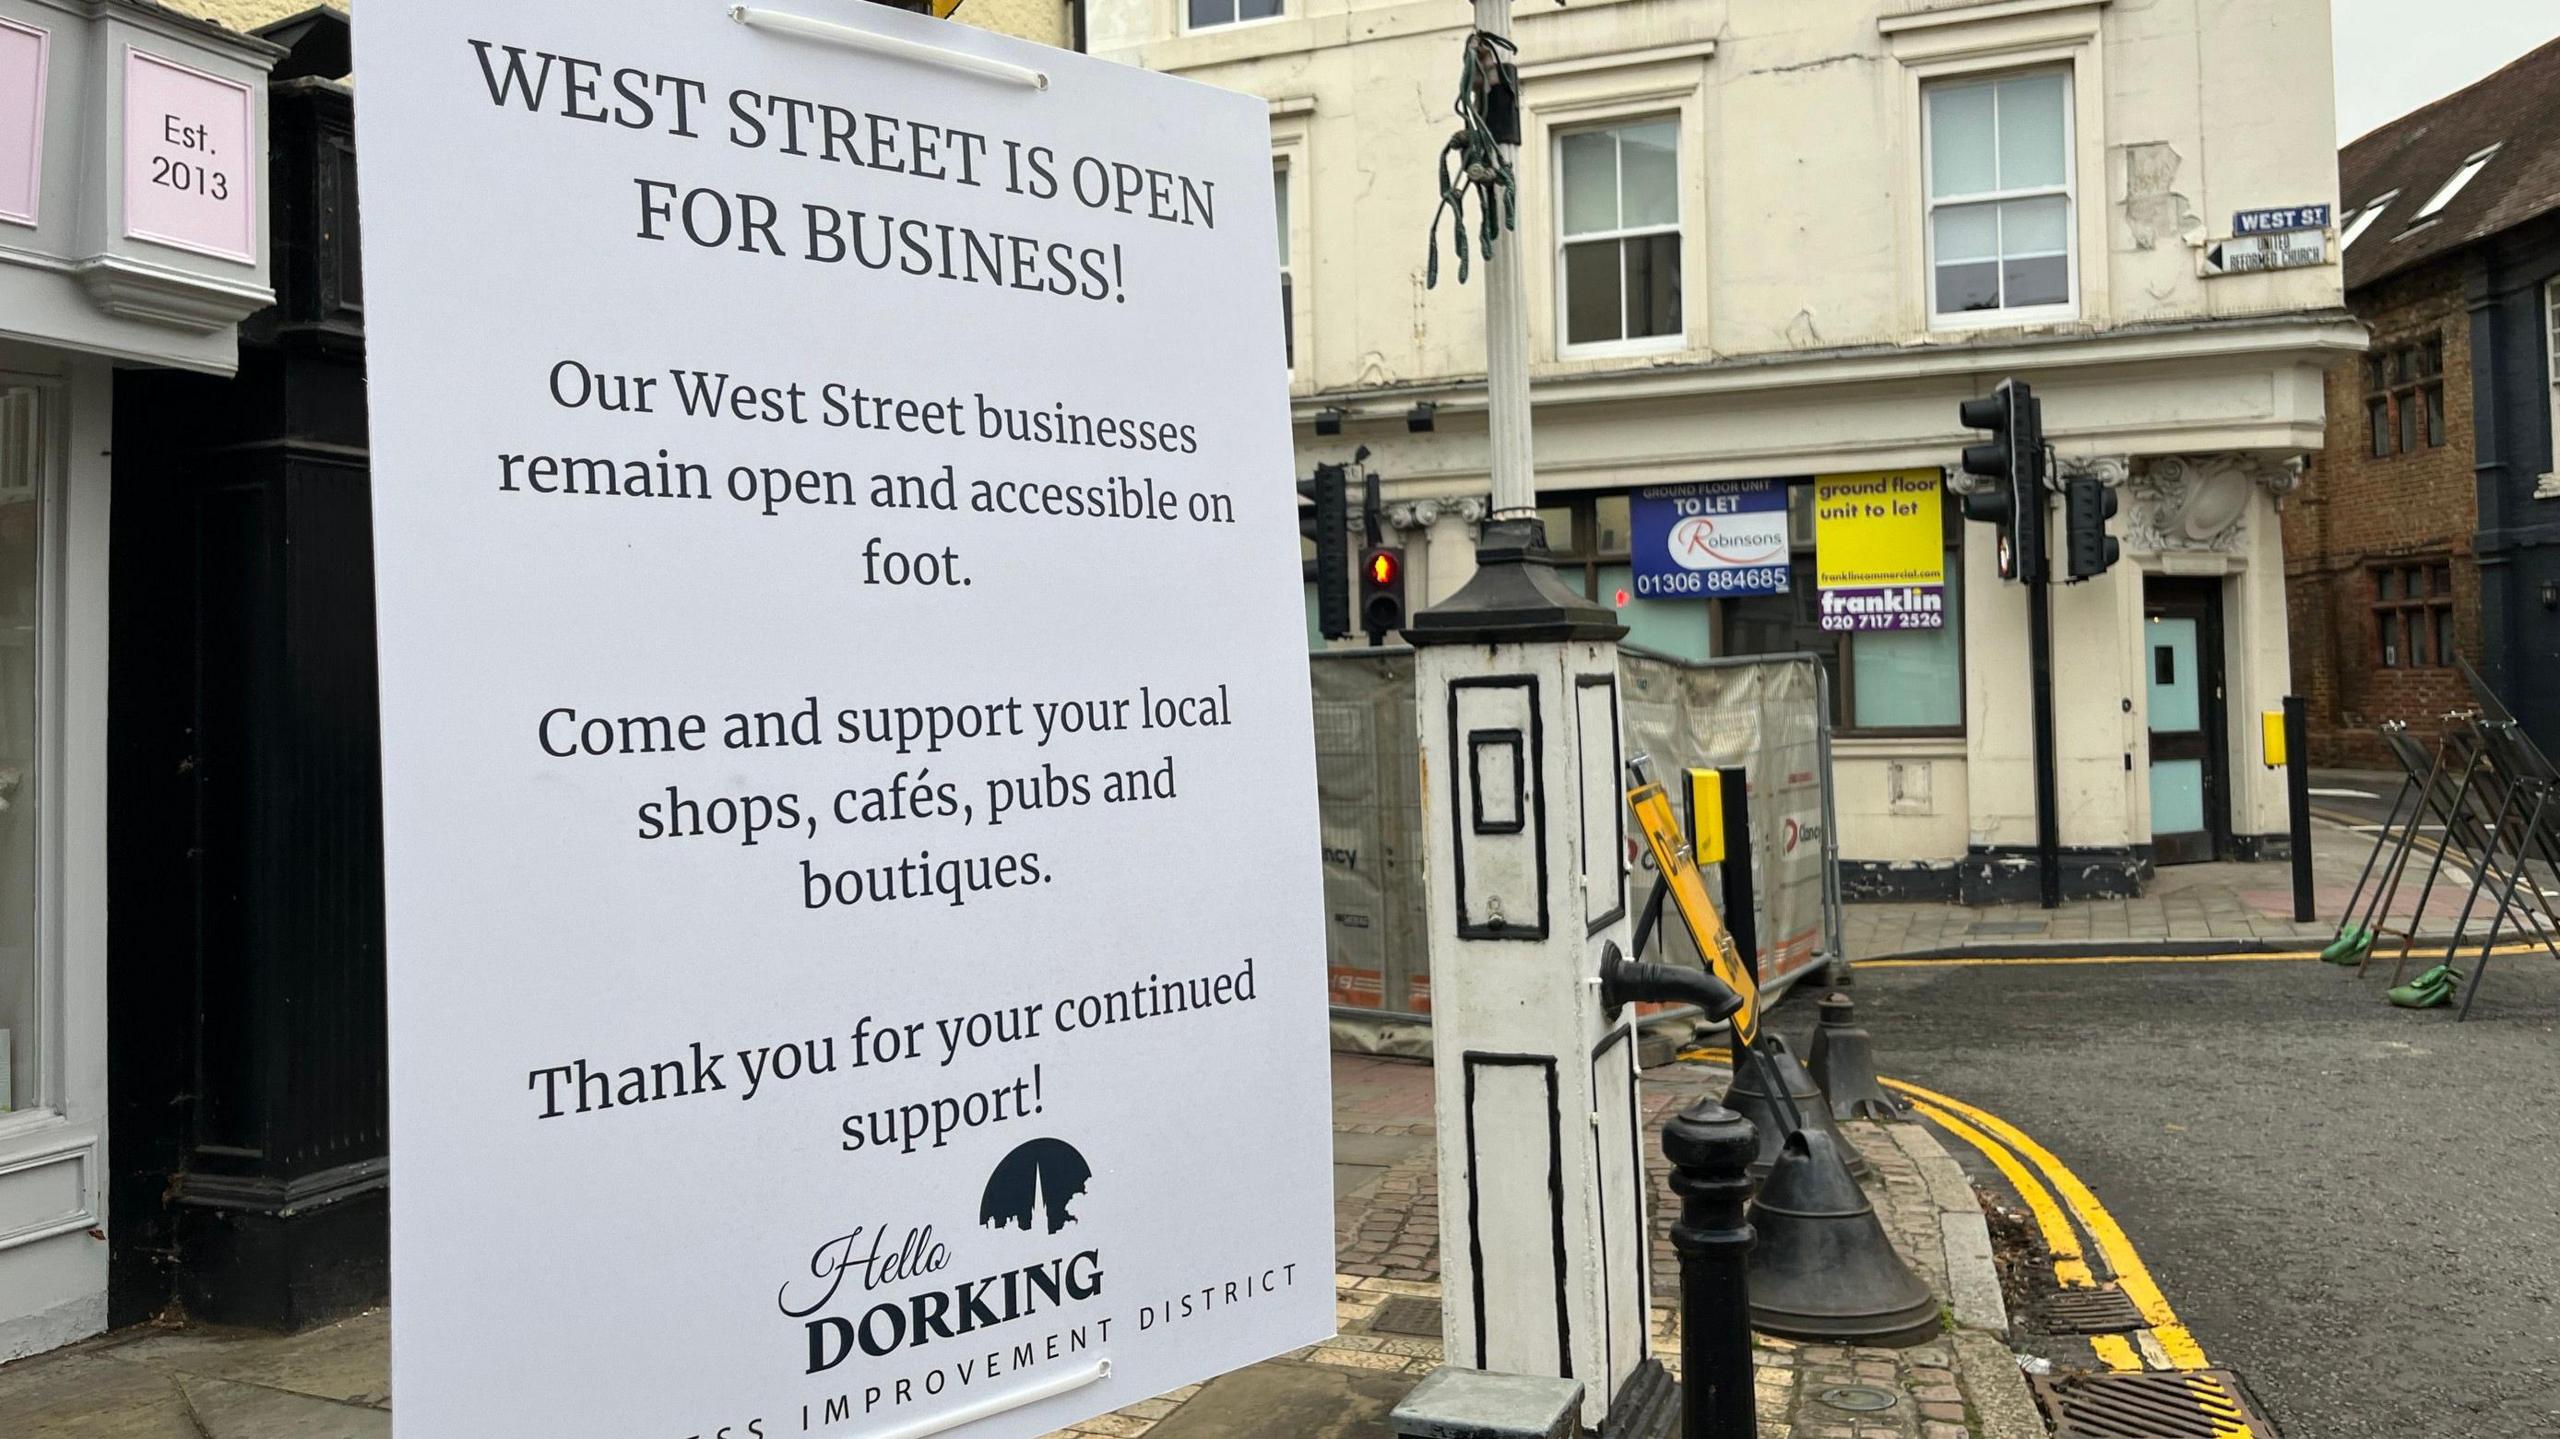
[(1986, 1367), (2302, 947)]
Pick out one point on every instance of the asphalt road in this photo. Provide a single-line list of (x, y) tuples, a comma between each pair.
[(2365, 796), (2357, 1207)]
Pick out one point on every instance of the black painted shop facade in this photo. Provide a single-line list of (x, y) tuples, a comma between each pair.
[(249, 1168), (2509, 288)]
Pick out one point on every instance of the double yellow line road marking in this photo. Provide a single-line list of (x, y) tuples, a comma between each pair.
[(2064, 1208), (2050, 1189)]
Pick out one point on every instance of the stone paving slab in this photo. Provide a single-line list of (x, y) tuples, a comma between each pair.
[(2242, 905), (349, 1362), (333, 1382), (225, 1410)]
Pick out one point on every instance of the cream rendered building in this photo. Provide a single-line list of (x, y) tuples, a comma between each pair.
[(1048, 21), (1773, 239)]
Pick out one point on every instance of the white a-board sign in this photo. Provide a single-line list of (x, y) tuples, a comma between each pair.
[(850, 835)]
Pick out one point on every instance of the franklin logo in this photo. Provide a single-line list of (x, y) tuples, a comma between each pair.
[(1037, 1181)]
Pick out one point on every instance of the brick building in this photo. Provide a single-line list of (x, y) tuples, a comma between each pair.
[(2419, 535)]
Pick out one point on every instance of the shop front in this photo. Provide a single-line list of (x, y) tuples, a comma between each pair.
[(2158, 663), (133, 234)]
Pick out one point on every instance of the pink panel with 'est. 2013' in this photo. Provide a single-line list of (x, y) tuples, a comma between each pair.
[(22, 66), (189, 159)]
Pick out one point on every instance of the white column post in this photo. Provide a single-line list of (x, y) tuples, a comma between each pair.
[(1506, 338), (1543, 1238)]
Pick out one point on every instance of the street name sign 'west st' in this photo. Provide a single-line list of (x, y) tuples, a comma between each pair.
[(2287, 217), (845, 978)]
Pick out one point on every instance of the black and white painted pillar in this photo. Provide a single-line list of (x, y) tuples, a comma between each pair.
[(1542, 1202)]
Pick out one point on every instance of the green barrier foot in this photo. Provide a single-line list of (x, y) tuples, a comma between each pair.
[(2430, 990)]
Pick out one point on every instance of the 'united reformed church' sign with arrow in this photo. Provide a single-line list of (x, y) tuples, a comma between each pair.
[(2281, 250)]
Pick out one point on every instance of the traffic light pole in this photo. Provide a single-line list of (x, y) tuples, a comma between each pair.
[(2040, 685), (2015, 458)]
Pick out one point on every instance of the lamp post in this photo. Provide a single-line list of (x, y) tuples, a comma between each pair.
[(1542, 1213)]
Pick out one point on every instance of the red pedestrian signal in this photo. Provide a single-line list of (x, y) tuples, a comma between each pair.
[(1382, 592)]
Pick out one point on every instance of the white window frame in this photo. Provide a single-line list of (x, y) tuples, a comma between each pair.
[(1287, 206), (2362, 220), (1183, 25), (1676, 337), (2471, 167), (2069, 190), (50, 1104), (2551, 360), (1292, 123)]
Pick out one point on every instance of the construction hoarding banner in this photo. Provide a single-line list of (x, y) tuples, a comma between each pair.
[(1766, 715)]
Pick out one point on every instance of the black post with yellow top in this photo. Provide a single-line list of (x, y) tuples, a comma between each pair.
[(2285, 737)]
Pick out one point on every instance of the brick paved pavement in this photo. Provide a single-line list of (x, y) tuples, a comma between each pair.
[(1387, 1233), (333, 1383)]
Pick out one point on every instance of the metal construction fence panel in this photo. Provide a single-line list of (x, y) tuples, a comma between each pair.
[(1767, 714), (1770, 716), (1369, 794)]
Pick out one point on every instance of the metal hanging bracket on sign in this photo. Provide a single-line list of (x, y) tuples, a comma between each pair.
[(889, 45)]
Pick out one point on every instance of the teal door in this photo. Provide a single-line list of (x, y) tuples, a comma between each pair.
[(2183, 671)]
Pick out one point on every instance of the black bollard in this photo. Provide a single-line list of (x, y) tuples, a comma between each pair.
[(1710, 1146)]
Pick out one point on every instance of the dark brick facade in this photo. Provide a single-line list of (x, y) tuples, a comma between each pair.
[(2357, 513)]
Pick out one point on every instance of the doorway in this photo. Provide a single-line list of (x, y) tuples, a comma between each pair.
[(2182, 666)]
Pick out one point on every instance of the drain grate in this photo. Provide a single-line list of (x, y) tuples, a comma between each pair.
[(2192, 1404), (2102, 1310), (1407, 1314)]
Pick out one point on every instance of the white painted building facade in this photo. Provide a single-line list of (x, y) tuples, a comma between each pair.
[(133, 233), (1773, 240)]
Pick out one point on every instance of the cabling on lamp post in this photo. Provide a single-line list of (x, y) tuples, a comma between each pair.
[(1488, 109)]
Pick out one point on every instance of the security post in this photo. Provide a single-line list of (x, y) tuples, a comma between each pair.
[(1720, 834), (2285, 736)]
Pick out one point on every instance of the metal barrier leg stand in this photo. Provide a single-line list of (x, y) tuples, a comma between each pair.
[(1709, 1146), (2381, 841), (2387, 885), (2456, 823), (2506, 897), (2481, 871)]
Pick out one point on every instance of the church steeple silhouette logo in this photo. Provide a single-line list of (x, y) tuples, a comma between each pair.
[(1035, 1183)]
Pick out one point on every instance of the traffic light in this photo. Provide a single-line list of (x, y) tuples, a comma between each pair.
[(1325, 521), (2013, 457), (2087, 504), (1382, 592)]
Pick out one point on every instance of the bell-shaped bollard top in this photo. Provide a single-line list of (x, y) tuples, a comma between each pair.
[(1843, 1062), (1823, 1268)]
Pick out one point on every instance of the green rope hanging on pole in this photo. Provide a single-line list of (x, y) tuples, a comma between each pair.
[(1488, 116)]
